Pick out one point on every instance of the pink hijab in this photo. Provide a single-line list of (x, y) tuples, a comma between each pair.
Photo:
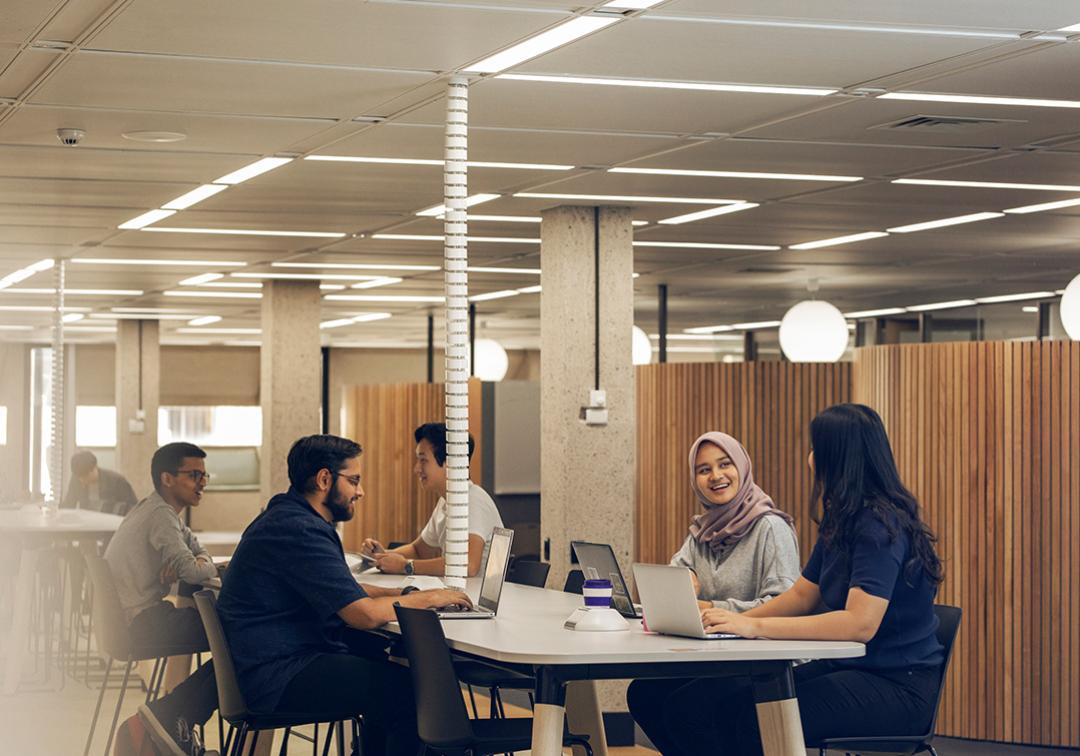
[(724, 525)]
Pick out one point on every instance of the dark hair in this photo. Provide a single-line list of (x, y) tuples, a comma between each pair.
[(854, 470), (170, 457), (435, 434), (313, 453), (82, 462)]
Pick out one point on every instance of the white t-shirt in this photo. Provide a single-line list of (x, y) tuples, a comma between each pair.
[(483, 516)]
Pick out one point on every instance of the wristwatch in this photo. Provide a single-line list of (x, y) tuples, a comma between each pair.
[(409, 567), (409, 589)]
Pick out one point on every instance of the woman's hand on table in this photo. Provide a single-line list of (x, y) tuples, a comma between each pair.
[(722, 621)]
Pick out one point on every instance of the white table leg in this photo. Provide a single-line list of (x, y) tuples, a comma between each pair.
[(547, 729), (585, 716), (20, 620)]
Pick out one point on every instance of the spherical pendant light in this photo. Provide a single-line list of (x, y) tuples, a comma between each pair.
[(1070, 309), (491, 360), (641, 347), (813, 331)]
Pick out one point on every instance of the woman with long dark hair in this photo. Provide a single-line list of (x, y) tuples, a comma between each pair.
[(871, 578)]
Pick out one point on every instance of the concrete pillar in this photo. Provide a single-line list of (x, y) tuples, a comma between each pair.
[(587, 472), (15, 399), (290, 385), (138, 382)]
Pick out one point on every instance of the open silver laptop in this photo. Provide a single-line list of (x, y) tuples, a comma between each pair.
[(670, 606), (598, 561), (498, 559)]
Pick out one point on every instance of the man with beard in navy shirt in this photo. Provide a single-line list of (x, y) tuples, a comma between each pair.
[(289, 601)]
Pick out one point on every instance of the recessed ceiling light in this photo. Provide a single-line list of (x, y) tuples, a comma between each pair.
[(137, 316), (205, 320), (839, 240), (16, 328), (1015, 297), (139, 221), (710, 213), (697, 337), (706, 245), (541, 43), (875, 313), (439, 237), (201, 279), (40, 308), (709, 329), (697, 86), (755, 326), (232, 285), (366, 317), (736, 174), (988, 185), (144, 309), (627, 198), (257, 168), (80, 292), (226, 331), (494, 295), (501, 218), (1029, 308), (381, 298), (24, 273), (244, 232), (529, 290), (214, 294), (520, 271), (154, 261), (155, 137), (942, 305), (943, 222), (475, 199), (632, 4), (355, 266), (1043, 207), (72, 317), (426, 161), (376, 282), (1030, 102), (184, 201), (304, 276)]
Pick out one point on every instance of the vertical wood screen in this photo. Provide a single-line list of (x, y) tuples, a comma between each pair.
[(987, 435), (766, 405), (382, 419)]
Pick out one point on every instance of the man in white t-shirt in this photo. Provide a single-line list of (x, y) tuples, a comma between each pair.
[(424, 556)]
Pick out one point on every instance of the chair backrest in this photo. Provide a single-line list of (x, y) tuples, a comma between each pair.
[(948, 627), (230, 699), (575, 582), (441, 718), (110, 623), (528, 572)]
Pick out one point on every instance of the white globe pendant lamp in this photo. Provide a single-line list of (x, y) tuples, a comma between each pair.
[(491, 360), (813, 331), (1070, 309), (641, 347)]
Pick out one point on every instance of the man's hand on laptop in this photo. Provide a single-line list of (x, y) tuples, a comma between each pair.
[(722, 621), (441, 598)]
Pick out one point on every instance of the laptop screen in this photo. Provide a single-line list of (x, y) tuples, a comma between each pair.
[(495, 569), (598, 563)]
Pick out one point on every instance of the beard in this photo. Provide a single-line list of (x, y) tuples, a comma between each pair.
[(341, 509)]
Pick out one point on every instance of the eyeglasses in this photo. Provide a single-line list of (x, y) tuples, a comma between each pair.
[(196, 475), (354, 480)]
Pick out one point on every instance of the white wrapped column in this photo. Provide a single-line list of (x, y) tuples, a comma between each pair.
[(456, 255)]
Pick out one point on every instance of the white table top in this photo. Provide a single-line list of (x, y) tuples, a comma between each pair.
[(529, 630), (31, 520), (218, 537)]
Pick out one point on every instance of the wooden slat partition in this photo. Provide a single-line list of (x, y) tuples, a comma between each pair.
[(766, 405), (382, 419), (987, 435)]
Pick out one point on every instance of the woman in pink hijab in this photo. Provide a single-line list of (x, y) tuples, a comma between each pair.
[(741, 551)]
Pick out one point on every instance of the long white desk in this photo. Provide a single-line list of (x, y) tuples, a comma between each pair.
[(529, 632), (30, 530)]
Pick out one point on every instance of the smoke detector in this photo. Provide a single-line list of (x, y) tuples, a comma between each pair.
[(70, 137)]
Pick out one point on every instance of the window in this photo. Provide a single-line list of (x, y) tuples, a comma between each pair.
[(211, 426), (95, 426)]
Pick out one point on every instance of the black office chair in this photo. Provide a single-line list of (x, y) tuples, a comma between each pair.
[(948, 626), (522, 572), (441, 719), (114, 640), (232, 706), (575, 582)]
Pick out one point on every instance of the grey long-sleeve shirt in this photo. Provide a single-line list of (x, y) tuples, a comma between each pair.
[(150, 538), (762, 565)]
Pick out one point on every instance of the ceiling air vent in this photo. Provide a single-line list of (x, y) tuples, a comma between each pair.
[(767, 270), (944, 124)]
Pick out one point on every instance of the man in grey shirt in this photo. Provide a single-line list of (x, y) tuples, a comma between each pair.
[(152, 549)]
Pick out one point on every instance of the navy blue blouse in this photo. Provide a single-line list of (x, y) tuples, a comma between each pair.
[(906, 637), (280, 598)]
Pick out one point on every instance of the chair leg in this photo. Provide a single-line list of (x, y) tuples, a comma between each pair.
[(329, 738), (341, 738), (472, 700), (97, 709), (238, 740), (119, 703), (315, 741), (285, 742), (255, 742), (932, 751)]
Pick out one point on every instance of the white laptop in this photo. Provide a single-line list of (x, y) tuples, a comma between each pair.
[(498, 559), (669, 603)]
